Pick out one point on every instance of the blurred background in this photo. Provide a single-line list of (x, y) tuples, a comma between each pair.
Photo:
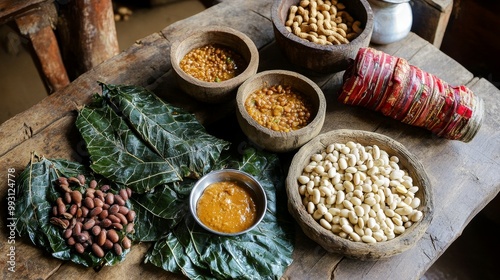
[(471, 38)]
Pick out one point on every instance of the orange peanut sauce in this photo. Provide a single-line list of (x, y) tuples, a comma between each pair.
[(227, 207)]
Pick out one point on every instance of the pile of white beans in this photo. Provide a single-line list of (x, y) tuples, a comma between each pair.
[(359, 192)]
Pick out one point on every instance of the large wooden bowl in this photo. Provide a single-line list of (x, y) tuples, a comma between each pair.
[(332, 242), (316, 57), (214, 92), (277, 141)]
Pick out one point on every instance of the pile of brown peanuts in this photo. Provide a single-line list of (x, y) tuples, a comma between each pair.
[(96, 221), (322, 22)]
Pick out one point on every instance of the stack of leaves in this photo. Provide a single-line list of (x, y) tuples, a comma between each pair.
[(136, 140)]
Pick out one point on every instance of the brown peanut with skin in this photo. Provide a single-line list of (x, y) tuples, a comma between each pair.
[(96, 220), (322, 22)]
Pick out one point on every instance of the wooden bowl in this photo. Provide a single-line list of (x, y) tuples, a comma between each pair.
[(276, 141), (316, 57), (214, 92), (332, 242)]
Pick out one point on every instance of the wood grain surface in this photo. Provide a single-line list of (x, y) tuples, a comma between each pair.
[(464, 176)]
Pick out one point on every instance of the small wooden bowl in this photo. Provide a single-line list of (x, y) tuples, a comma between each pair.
[(214, 92), (276, 141), (316, 57), (331, 241)]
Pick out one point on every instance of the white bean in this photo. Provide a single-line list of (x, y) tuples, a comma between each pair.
[(325, 224), (368, 239)]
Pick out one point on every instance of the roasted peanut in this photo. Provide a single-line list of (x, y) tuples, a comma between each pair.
[(115, 208), (106, 223), (126, 243), (110, 198), (89, 224), (119, 200), (79, 248), (96, 230), (118, 249), (101, 238), (76, 197), (108, 244), (94, 212), (112, 235), (117, 226), (97, 250), (89, 203), (131, 215), (123, 219), (124, 194), (103, 215), (124, 210)]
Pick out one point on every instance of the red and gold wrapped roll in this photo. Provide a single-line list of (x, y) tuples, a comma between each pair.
[(392, 86)]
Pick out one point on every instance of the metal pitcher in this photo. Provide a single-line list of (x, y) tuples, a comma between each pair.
[(392, 20)]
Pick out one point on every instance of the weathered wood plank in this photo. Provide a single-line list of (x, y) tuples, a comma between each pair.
[(10, 9)]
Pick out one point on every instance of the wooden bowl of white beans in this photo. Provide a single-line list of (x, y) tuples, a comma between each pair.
[(280, 110), (360, 194)]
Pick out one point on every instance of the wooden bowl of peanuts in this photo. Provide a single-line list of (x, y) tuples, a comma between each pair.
[(322, 36), (360, 194), (280, 110), (210, 63)]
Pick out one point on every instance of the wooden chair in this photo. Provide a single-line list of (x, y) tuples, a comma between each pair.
[(86, 35)]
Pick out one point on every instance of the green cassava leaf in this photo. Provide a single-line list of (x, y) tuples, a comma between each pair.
[(118, 154), (160, 209), (263, 253), (36, 194), (173, 133)]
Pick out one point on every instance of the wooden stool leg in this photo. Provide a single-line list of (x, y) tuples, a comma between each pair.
[(87, 34), (36, 26)]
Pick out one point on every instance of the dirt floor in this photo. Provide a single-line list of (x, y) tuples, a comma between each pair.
[(21, 88)]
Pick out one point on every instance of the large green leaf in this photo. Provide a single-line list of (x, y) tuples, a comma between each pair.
[(36, 194), (264, 252), (118, 153), (173, 133)]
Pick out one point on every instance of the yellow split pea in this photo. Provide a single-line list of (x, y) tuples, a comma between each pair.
[(213, 63), (280, 108)]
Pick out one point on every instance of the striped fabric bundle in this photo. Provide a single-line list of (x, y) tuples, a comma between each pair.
[(392, 86)]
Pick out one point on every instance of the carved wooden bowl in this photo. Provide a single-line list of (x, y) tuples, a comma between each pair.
[(278, 141), (214, 92), (332, 242), (317, 57)]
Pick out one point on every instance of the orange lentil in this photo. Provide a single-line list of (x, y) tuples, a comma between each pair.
[(279, 108), (213, 63)]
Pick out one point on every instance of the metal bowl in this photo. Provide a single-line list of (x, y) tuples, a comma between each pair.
[(241, 177)]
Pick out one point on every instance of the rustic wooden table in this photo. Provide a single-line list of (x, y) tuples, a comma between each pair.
[(465, 176)]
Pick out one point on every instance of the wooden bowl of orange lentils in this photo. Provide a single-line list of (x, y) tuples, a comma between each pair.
[(280, 110), (210, 63)]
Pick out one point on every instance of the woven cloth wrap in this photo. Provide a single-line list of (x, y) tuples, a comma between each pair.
[(391, 86)]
